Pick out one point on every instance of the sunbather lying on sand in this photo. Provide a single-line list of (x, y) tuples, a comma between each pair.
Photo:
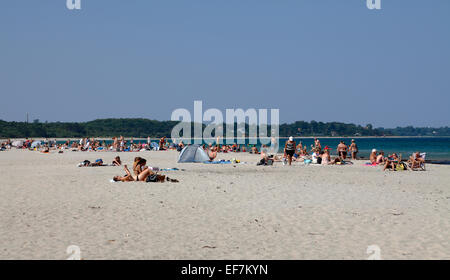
[(87, 163), (145, 176)]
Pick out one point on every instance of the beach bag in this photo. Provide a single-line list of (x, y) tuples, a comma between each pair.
[(152, 178), (400, 166)]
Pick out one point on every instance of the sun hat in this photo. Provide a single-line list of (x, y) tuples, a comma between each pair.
[(374, 150), (291, 138)]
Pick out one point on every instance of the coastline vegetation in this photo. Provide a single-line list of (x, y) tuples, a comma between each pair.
[(139, 127)]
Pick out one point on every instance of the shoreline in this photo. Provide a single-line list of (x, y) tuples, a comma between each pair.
[(281, 137)]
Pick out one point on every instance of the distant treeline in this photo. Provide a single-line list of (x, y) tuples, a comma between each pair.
[(143, 128)]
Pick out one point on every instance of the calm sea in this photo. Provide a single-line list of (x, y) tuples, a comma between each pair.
[(437, 148)]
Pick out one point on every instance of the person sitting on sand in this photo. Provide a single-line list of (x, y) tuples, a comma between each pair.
[(380, 158), (139, 165), (315, 156), (373, 156), (416, 159), (305, 151), (46, 150), (326, 158), (180, 146), (212, 152), (264, 158), (117, 161), (299, 150), (254, 150), (392, 161)]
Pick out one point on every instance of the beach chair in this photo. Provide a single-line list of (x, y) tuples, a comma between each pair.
[(415, 166)]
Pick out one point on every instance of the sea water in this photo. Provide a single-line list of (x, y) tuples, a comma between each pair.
[(437, 148)]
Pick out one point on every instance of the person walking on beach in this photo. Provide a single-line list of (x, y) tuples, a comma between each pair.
[(289, 149), (353, 149)]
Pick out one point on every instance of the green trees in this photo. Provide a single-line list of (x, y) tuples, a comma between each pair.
[(145, 127)]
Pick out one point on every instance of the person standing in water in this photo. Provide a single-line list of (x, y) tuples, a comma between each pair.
[(289, 149)]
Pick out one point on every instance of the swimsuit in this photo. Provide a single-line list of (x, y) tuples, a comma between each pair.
[(290, 149)]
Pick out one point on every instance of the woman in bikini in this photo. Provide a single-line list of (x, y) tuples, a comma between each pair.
[(144, 176), (392, 161), (353, 149)]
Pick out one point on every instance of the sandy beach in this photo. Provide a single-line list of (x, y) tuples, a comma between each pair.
[(232, 211)]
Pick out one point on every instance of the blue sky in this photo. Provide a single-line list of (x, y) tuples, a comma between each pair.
[(322, 60)]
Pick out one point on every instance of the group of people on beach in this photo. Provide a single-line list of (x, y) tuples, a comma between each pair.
[(117, 144), (294, 152), (141, 172), (291, 152), (394, 161)]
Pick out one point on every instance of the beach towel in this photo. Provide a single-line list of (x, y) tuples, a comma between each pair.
[(370, 164), (171, 169), (218, 162)]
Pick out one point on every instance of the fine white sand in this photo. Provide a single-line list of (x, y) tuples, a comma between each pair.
[(234, 211)]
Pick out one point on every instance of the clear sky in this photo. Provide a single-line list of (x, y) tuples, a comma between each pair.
[(323, 60)]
